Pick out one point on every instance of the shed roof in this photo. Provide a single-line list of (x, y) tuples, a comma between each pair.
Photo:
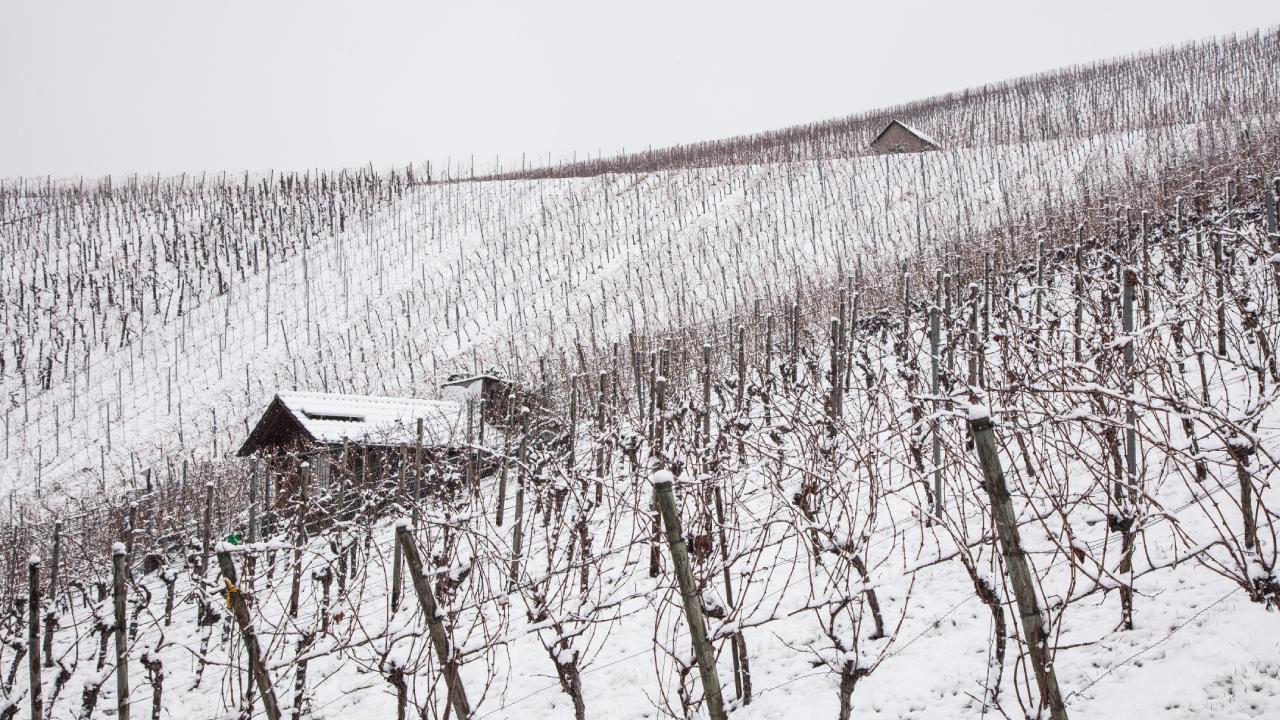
[(914, 131), (330, 418)]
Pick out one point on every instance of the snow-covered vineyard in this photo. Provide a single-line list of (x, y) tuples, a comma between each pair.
[(988, 430)]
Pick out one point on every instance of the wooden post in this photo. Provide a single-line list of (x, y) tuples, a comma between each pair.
[(469, 466), (666, 500), (499, 511), (1077, 323), (834, 400), (1220, 301), (33, 636), (119, 563), (600, 451), (396, 559), (206, 530), (1127, 501), (240, 610), (517, 530), (51, 618), (935, 339), (439, 635), (253, 502), (1034, 632), (417, 473)]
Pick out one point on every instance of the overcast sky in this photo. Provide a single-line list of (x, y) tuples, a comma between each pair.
[(91, 87)]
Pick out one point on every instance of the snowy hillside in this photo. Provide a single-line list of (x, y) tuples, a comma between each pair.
[(990, 430), (817, 539)]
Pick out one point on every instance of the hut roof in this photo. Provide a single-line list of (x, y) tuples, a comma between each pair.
[(330, 418), (914, 131)]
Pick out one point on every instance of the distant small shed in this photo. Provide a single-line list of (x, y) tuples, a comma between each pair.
[(898, 137)]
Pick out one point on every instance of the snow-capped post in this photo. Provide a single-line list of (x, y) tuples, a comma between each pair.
[(1146, 270), (1035, 634), (1039, 296), (1077, 323), (794, 342), (431, 613), (843, 345), (33, 634), (240, 610), (51, 617), (741, 671), (119, 562), (906, 317), (300, 537), (469, 466), (935, 340), (503, 463), (572, 450), (975, 341), (1127, 502), (666, 500), (417, 473), (206, 530), (517, 529), (739, 400), (1219, 299), (252, 535), (767, 380), (636, 374), (132, 528), (600, 442), (834, 401), (1273, 207), (656, 447)]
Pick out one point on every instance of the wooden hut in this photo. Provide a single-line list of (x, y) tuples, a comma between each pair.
[(898, 137), (360, 439)]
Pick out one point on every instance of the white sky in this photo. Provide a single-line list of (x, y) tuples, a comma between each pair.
[(91, 87)]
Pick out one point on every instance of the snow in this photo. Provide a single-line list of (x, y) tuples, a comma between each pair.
[(331, 418), (1199, 648)]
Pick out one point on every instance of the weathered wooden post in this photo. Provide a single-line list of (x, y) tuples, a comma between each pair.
[(935, 339), (435, 627), (834, 400), (1220, 294), (1077, 322), (976, 350), (240, 610), (517, 530), (666, 501), (1034, 632), (206, 530), (119, 567), (33, 636), (51, 617), (600, 450), (417, 474), (253, 502)]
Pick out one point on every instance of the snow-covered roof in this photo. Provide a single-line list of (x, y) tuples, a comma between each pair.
[(920, 134), (467, 388), (913, 130), (330, 418)]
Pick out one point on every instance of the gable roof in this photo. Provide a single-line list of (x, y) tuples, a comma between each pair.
[(330, 418), (918, 133)]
